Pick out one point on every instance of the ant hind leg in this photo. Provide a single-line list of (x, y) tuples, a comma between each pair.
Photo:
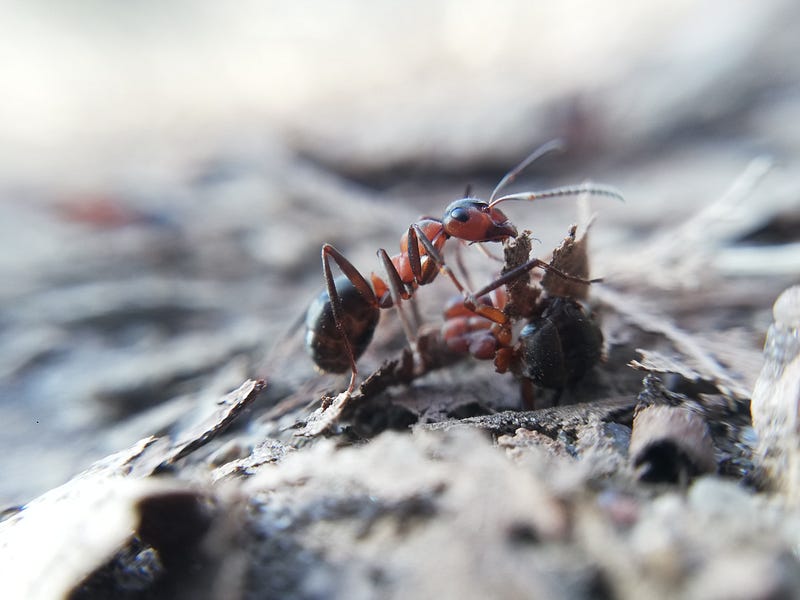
[(361, 285)]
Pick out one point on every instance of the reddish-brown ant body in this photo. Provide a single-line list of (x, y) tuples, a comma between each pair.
[(341, 321)]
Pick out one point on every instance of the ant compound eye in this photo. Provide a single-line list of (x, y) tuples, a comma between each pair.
[(460, 214)]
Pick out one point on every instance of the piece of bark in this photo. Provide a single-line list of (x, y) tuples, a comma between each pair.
[(549, 421), (670, 444), (99, 510), (522, 295), (699, 359), (71, 530), (230, 407), (571, 257)]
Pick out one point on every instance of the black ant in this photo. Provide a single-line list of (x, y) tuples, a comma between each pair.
[(557, 346), (342, 319)]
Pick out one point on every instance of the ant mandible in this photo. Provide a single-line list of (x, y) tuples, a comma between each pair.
[(340, 322)]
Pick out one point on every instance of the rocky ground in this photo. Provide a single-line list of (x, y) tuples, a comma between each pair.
[(166, 258)]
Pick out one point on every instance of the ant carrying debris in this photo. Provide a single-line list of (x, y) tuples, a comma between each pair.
[(340, 322), (559, 342)]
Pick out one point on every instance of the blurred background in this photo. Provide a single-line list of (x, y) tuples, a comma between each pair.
[(168, 173)]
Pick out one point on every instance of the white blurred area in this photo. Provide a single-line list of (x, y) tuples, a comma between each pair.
[(90, 85)]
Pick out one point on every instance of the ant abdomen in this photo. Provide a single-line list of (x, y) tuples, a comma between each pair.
[(560, 347), (359, 317)]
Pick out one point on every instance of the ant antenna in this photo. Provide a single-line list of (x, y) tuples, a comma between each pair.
[(572, 190), (556, 145)]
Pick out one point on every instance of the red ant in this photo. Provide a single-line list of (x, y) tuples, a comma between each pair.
[(341, 320)]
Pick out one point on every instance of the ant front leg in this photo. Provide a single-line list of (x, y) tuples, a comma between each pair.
[(352, 307), (470, 299), (528, 266), (398, 292)]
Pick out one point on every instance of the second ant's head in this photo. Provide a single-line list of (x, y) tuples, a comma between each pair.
[(474, 220)]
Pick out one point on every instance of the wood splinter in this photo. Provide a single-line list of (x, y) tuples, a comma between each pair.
[(670, 444)]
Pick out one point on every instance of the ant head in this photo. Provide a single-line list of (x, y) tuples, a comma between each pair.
[(474, 220)]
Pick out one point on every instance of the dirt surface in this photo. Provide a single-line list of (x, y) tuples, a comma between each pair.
[(165, 434)]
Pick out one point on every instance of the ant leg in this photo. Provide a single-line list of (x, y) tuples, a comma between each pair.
[(485, 251), (362, 286), (524, 268), (416, 234), (460, 263), (421, 277), (416, 317), (527, 392), (470, 300), (399, 293)]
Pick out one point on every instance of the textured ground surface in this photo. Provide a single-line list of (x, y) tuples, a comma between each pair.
[(160, 241)]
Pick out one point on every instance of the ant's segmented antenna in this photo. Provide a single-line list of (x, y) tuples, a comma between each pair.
[(571, 190), (555, 145)]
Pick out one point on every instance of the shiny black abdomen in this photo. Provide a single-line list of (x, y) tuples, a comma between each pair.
[(323, 341), (561, 346)]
